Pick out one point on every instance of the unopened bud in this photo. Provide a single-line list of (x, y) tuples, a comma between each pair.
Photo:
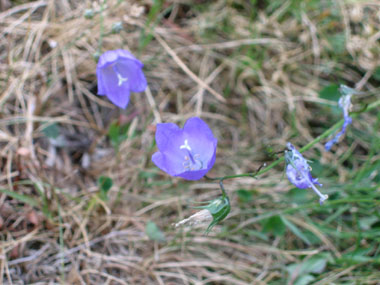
[(89, 13), (96, 56), (117, 27)]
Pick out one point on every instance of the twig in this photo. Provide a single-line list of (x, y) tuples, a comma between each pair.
[(184, 67)]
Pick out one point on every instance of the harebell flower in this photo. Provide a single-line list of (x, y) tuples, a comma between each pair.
[(345, 105), (189, 152), (119, 73), (298, 172)]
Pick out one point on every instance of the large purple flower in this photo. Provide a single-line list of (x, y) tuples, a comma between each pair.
[(189, 152), (119, 72), (298, 172)]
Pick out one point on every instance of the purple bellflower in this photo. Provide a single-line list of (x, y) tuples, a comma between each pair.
[(189, 152), (345, 105), (298, 172), (118, 73)]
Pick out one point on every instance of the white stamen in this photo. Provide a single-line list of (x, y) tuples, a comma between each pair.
[(185, 145), (121, 79)]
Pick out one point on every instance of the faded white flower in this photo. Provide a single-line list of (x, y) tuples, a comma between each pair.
[(199, 218)]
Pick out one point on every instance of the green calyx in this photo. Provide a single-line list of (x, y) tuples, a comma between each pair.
[(219, 209)]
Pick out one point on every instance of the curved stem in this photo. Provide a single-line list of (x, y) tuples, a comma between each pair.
[(327, 133), (222, 188)]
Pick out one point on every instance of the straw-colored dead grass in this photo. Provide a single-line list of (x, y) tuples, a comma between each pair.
[(244, 86)]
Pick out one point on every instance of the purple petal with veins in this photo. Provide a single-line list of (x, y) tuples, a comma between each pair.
[(189, 152), (119, 73)]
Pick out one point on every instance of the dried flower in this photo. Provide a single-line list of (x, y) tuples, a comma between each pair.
[(345, 105), (199, 218), (118, 73), (298, 172), (215, 212), (189, 152)]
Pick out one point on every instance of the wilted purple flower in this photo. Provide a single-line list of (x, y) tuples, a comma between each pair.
[(118, 73), (189, 152), (298, 172), (345, 105)]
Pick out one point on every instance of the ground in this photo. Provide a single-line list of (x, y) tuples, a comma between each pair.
[(81, 201)]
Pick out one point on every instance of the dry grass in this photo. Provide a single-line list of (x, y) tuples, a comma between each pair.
[(252, 90)]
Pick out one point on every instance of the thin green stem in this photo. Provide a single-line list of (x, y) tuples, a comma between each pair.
[(371, 106), (222, 188), (102, 8), (327, 133), (61, 243), (351, 200)]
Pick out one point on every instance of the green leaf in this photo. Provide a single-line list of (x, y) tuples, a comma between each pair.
[(51, 131), (366, 223), (295, 230), (298, 196), (244, 195), (330, 92), (153, 16), (274, 225), (117, 133), (338, 43), (105, 183), (21, 197), (154, 233), (315, 264), (257, 234), (317, 167), (376, 74), (359, 255), (304, 280)]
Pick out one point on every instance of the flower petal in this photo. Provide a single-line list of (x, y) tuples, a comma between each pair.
[(200, 138), (107, 58), (168, 162), (118, 94), (170, 158), (189, 152), (124, 54), (169, 137), (296, 178), (101, 87), (193, 174), (131, 70)]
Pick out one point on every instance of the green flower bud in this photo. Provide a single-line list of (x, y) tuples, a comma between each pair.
[(96, 56), (89, 13), (117, 27)]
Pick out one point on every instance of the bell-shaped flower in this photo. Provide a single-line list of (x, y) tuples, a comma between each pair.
[(189, 152), (119, 73), (298, 172), (345, 105)]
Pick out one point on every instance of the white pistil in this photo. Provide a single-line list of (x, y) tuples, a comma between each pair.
[(185, 145), (322, 197), (121, 79)]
